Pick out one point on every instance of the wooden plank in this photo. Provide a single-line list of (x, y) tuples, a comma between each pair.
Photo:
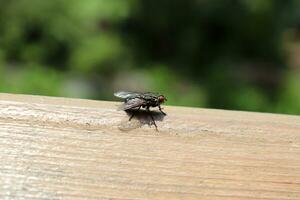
[(57, 148)]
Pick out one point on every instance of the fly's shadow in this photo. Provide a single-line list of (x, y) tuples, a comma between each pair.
[(138, 118)]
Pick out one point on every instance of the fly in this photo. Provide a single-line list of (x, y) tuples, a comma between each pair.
[(139, 100)]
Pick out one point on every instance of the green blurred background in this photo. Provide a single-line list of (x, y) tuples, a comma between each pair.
[(229, 54)]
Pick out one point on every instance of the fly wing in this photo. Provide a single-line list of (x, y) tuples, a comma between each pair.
[(132, 103), (125, 95)]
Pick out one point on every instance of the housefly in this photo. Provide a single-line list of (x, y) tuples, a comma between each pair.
[(139, 100)]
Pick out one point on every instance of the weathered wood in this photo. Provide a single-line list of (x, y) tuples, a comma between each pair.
[(56, 148)]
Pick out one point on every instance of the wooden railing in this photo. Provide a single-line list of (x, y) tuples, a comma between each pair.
[(57, 148)]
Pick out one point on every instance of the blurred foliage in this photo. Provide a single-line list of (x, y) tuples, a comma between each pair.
[(207, 53)]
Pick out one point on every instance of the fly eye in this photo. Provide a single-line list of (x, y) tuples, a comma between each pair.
[(162, 99)]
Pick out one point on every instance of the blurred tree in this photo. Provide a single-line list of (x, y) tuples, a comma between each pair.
[(71, 39), (211, 53), (231, 47)]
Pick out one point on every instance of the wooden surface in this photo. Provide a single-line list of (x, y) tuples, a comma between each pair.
[(55, 148)]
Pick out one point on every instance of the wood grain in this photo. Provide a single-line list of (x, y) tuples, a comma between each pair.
[(57, 148)]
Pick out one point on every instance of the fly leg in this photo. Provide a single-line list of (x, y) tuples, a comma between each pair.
[(160, 109), (135, 111), (148, 110)]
